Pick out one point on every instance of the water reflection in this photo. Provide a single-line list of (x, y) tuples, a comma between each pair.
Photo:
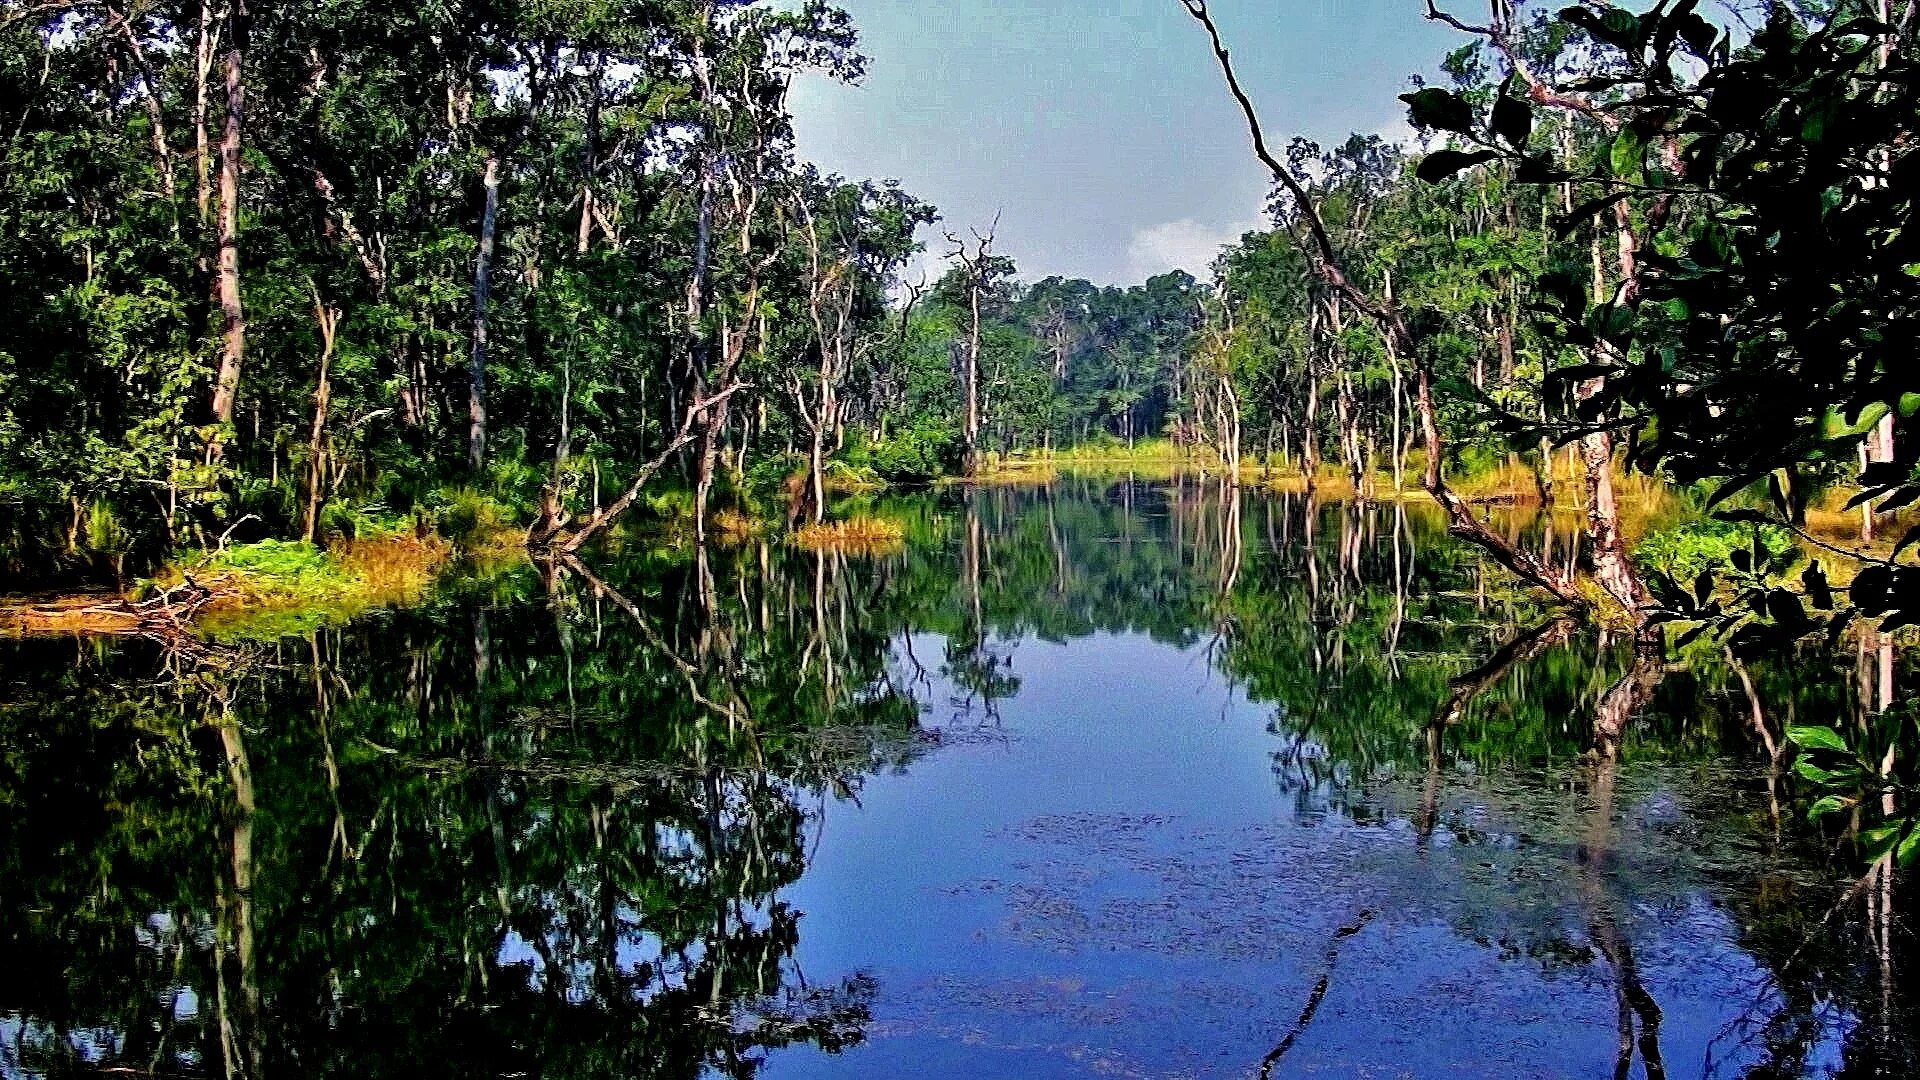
[(756, 810)]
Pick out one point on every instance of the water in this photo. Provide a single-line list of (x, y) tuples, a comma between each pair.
[(1104, 779)]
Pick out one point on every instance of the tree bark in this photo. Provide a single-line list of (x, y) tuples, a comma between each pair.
[(477, 365), (1611, 567), (973, 378), (327, 320), (977, 268), (233, 325)]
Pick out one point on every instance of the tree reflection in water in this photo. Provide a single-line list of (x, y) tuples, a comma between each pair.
[(547, 823)]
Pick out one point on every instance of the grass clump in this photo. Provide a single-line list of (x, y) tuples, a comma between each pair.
[(468, 517), (275, 586), (732, 526), (290, 568), (847, 478), (863, 535)]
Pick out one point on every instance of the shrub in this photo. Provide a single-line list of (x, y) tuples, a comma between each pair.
[(1683, 552), (466, 516), (913, 455)]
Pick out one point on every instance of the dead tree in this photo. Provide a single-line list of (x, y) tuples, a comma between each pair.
[(1324, 259), (976, 271)]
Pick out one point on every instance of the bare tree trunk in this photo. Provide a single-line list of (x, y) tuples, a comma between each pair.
[(477, 364), (977, 267), (1399, 399), (233, 326), (327, 320), (1310, 448), (1611, 567), (202, 68), (150, 100), (972, 462)]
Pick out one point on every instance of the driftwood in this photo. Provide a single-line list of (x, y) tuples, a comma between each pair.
[(166, 617)]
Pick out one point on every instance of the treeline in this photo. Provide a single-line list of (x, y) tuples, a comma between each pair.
[(288, 270), (277, 269)]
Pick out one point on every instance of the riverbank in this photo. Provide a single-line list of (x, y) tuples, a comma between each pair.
[(271, 587), (259, 589)]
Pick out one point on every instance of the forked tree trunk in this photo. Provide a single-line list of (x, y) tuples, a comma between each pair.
[(327, 320)]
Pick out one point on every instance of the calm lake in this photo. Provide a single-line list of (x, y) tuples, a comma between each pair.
[(1108, 778)]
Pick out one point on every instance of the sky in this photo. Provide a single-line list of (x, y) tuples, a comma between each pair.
[(1099, 131)]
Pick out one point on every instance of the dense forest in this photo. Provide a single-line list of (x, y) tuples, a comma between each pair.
[(294, 269), (304, 271)]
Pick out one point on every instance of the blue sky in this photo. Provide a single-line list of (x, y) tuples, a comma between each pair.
[(1099, 130)]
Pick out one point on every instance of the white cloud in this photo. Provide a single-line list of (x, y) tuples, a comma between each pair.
[(1181, 245)]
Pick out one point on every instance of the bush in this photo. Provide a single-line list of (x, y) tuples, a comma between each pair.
[(914, 455), (1682, 553), (466, 515)]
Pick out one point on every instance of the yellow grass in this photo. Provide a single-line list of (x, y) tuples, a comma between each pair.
[(395, 566), (854, 536), (730, 526), (83, 614), (1013, 471)]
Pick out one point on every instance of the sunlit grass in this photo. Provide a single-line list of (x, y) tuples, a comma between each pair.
[(258, 588), (862, 535)]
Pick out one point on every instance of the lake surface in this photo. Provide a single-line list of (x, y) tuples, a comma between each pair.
[(1111, 778)]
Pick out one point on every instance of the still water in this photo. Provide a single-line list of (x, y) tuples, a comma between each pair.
[(1104, 779)]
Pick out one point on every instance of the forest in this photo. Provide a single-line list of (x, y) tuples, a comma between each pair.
[(304, 271)]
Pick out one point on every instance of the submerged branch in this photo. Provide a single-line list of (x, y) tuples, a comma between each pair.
[(1318, 995)]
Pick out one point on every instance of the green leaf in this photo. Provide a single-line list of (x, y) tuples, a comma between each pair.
[(1831, 804), (1818, 738), (1878, 840), (1620, 25), (1513, 121), (1439, 109), (1836, 426), (1625, 155), (1443, 164), (1909, 846), (1814, 774)]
